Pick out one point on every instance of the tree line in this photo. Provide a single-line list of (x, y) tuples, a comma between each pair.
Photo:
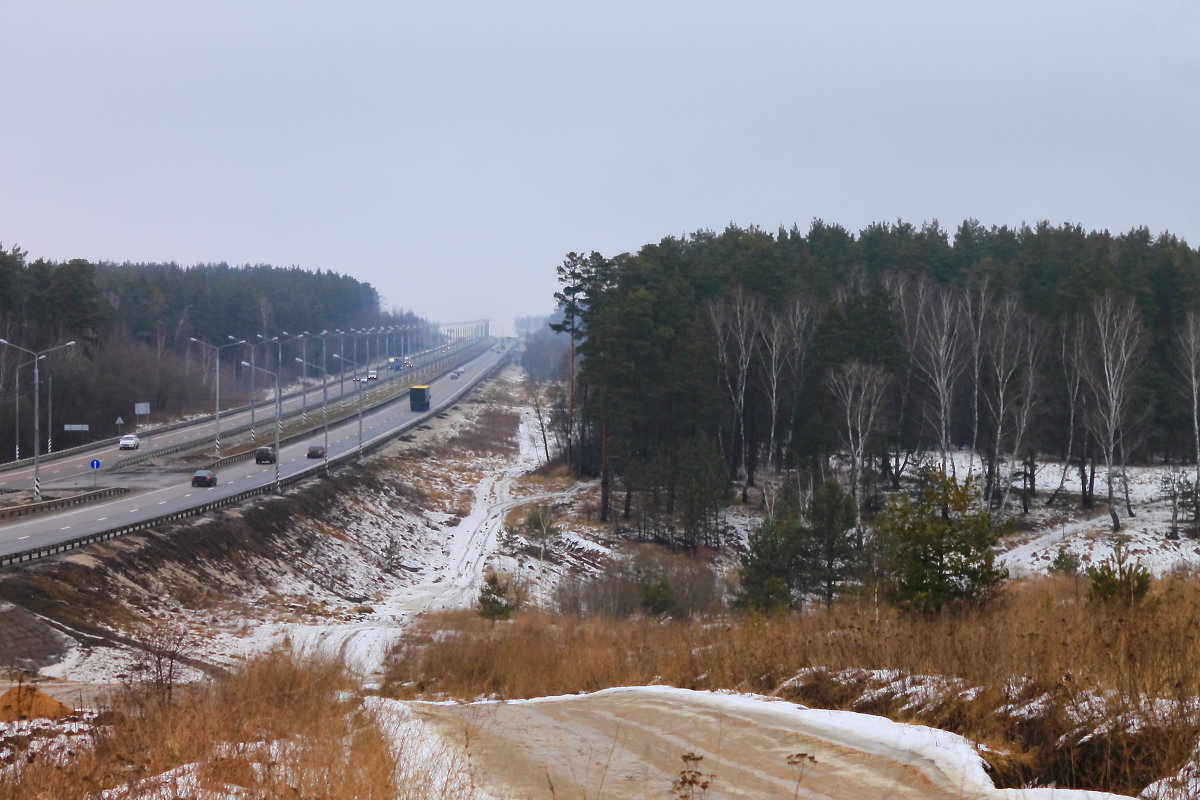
[(133, 326), (706, 361)]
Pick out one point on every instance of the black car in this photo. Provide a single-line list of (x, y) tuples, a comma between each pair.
[(264, 455), (316, 451), (204, 477)]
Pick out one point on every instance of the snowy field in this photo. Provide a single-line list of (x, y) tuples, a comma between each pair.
[(444, 557)]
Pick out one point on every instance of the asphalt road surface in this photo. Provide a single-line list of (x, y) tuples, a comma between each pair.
[(167, 492)]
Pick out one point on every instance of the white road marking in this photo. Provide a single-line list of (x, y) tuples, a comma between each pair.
[(65, 528), (162, 502), (102, 519), (19, 538)]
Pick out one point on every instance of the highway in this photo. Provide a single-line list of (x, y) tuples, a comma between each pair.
[(163, 492), (65, 471)]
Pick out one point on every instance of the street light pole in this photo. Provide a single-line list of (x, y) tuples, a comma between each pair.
[(360, 399), (324, 403), (278, 416), (49, 411), (37, 475), (217, 401), (342, 373), (17, 410)]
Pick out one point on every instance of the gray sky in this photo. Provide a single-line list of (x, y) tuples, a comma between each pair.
[(451, 153)]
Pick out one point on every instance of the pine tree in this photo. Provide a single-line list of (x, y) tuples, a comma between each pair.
[(942, 547)]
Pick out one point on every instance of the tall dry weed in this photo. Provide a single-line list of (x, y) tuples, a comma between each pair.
[(281, 726), (1132, 674)]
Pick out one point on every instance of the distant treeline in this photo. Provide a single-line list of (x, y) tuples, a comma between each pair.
[(868, 353), (133, 325)]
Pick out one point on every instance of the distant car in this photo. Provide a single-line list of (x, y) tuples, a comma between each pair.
[(265, 455), (407, 364), (453, 376), (204, 477), (316, 451), (129, 442), (372, 375)]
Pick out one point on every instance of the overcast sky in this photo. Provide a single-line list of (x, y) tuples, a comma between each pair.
[(451, 153)]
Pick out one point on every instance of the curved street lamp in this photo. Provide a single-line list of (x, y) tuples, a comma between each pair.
[(324, 403), (37, 356), (278, 414), (17, 409), (359, 389), (253, 388), (217, 348)]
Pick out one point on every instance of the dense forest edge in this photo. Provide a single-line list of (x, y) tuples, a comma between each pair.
[(711, 359), (133, 326)]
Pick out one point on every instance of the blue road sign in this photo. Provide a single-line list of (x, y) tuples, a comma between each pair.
[(95, 463)]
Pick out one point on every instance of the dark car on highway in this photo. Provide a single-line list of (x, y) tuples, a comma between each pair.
[(316, 451), (264, 455), (204, 477)]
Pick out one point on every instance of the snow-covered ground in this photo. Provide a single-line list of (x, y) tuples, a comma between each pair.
[(443, 556)]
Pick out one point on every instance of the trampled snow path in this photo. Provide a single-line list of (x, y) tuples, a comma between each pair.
[(474, 540), (450, 582)]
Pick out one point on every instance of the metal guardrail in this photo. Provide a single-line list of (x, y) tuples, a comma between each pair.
[(51, 505), (35, 553)]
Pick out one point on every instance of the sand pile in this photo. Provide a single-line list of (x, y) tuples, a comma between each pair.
[(29, 702)]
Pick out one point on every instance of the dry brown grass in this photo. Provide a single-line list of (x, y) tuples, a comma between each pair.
[(1043, 643), (493, 432), (281, 726), (552, 476)]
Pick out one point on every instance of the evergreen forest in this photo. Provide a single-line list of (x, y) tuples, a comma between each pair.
[(133, 326), (702, 364)]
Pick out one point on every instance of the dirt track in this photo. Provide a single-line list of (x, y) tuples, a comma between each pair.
[(619, 746)]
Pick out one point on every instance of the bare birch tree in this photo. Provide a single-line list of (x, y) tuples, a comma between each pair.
[(1117, 338), (1025, 398), (940, 347), (1071, 347), (860, 389), (1188, 344), (976, 309), (735, 320), (909, 298), (1005, 356), (802, 321), (784, 337)]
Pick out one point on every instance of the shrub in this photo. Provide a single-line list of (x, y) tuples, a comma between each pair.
[(942, 548), (497, 599), (1117, 582), (1065, 563)]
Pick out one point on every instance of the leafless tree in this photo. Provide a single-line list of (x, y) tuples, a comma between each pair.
[(1188, 355), (860, 389), (976, 310), (535, 393), (1117, 339), (910, 298), (1004, 346), (1024, 394), (1071, 347), (735, 320), (784, 338), (940, 347)]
